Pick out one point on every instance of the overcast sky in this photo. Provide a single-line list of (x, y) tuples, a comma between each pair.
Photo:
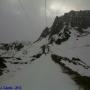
[(25, 19)]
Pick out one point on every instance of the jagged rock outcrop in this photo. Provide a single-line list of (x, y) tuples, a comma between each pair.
[(78, 20), (10, 46)]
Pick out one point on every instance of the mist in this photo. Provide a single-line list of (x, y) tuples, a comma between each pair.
[(25, 19)]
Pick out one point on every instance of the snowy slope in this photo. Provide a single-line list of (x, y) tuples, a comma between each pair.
[(75, 48), (43, 74)]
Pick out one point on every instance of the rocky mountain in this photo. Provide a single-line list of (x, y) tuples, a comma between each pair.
[(78, 20), (66, 42)]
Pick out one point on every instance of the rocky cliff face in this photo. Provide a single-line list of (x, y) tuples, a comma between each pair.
[(78, 20)]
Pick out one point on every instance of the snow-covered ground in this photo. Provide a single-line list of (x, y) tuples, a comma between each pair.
[(42, 74), (78, 47)]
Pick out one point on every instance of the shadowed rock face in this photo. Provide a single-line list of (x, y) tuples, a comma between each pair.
[(56, 27), (2, 65), (45, 33), (78, 18)]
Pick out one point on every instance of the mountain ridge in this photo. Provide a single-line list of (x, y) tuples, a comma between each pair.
[(79, 20)]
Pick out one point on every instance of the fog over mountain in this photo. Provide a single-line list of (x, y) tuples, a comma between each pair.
[(25, 19)]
